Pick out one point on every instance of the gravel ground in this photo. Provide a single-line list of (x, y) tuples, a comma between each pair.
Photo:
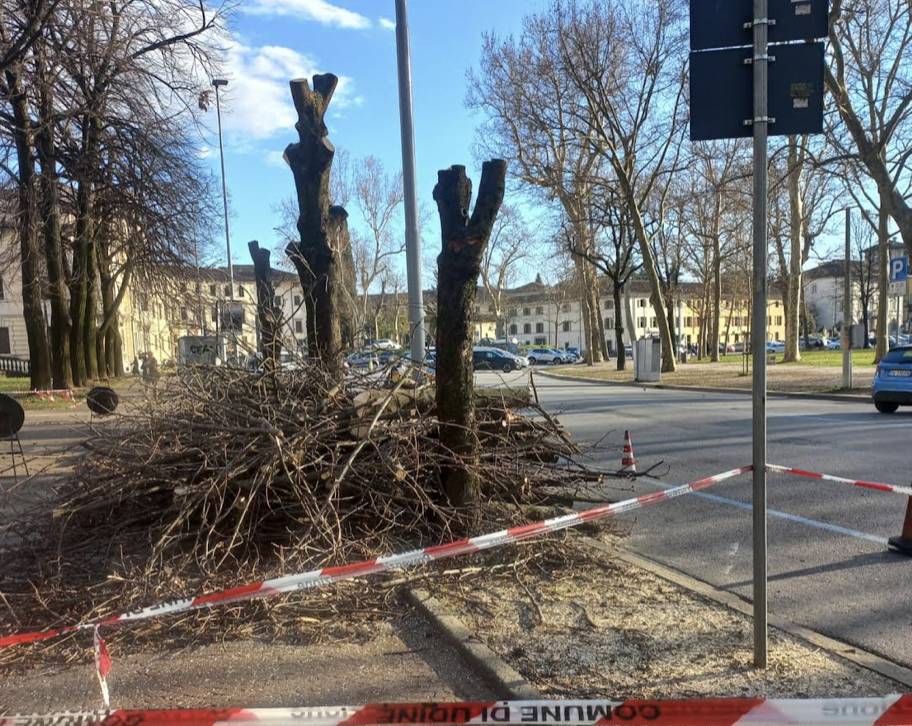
[(781, 378), (401, 661), (602, 628)]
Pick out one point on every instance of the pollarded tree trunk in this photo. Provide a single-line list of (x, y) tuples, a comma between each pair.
[(463, 243), (619, 328), (267, 311), (883, 281), (796, 261), (317, 259)]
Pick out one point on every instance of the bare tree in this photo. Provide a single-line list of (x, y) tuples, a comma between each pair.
[(379, 197), (628, 61), (870, 78), (464, 238), (537, 122), (508, 247)]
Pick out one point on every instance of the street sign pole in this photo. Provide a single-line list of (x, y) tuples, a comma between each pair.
[(760, 127), (847, 312)]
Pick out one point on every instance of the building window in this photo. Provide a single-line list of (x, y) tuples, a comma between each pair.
[(653, 322), (539, 327), (769, 319), (609, 304), (539, 310), (5, 342), (737, 338), (183, 287), (214, 315), (477, 309), (299, 327), (490, 308), (641, 303), (566, 326), (527, 311), (184, 314), (527, 328), (277, 301), (609, 323), (228, 290), (297, 300), (540, 341), (2, 290), (212, 290), (511, 313), (513, 330), (566, 307), (641, 322), (688, 322), (197, 288), (778, 320)]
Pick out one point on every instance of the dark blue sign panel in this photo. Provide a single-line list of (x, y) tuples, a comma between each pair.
[(722, 96), (720, 23)]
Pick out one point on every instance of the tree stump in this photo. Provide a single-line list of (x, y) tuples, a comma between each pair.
[(268, 312), (458, 267), (318, 255)]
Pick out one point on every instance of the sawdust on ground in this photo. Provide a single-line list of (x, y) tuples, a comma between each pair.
[(603, 628)]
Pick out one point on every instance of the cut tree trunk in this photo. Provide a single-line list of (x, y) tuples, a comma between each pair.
[(883, 280), (796, 262), (268, 313), (463, 243), (318, 260), (619, 328)]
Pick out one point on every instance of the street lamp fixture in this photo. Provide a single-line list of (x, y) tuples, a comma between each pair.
[(217, 83)]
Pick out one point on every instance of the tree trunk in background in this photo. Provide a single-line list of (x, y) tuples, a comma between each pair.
[(619, 328), (78, 289), (883, 281), (458, 267), (90, 330), (717, 281), (30, 254), (318, 261), (671, 322), (53, 249), (268, 313), (792, 298)]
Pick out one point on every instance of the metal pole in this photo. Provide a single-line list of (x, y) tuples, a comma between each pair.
[(218, 111), (407, 129), (760, 121), (847, 312)]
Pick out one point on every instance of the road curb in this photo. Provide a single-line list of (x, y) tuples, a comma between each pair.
[(487, 664), (853, 654), (837, 397)]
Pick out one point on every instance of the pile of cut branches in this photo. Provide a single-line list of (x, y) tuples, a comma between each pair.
[(220, 475)]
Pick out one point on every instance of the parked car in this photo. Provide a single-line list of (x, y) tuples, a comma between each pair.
[(775, 346), (566, 355), (545, 355), (573, 350), (494, 359), (893, 380), (385, 344), (362, 359)]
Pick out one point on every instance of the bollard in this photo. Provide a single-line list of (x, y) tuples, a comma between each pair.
[(903, 543)]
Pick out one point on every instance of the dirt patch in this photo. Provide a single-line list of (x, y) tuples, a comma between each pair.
[(602, 628), (781, 378)]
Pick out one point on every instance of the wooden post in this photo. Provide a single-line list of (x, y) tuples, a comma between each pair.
[(269, 315), (463, 243), (317, 256)]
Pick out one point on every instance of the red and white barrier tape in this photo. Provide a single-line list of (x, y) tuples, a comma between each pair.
[(907, 491), (327, 575), (67, 394), (894, 710)]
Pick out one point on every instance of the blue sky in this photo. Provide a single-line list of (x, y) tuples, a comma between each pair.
[(275, 40)]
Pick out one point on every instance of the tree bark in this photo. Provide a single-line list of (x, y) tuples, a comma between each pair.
[(35, 327), (717, 280), (90, 331), (796, 255), (619, 328), (883, 281), (463, 243), (53, 249), (318, 260), (269, 315)]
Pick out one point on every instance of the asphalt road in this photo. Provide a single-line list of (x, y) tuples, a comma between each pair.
[(829, 566)]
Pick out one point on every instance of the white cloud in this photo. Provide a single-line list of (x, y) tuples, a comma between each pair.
[(387, 24), (257, 102), (204, 152), (320, 11)]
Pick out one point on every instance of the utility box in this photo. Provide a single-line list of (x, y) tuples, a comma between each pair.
[(197, 350), (857, 335), (648, 360)]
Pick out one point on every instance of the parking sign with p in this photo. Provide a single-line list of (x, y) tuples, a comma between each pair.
[(899, 269)]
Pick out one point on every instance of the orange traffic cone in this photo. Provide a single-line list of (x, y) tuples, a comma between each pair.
[(628, 461), (903, 543)]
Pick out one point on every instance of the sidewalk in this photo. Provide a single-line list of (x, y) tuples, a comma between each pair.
[(786, 380)]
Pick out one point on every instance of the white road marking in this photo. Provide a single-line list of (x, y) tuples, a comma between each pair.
[(774, 513)]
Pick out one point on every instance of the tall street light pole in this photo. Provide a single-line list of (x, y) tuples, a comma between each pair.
[(407, 130), (217, 82)]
